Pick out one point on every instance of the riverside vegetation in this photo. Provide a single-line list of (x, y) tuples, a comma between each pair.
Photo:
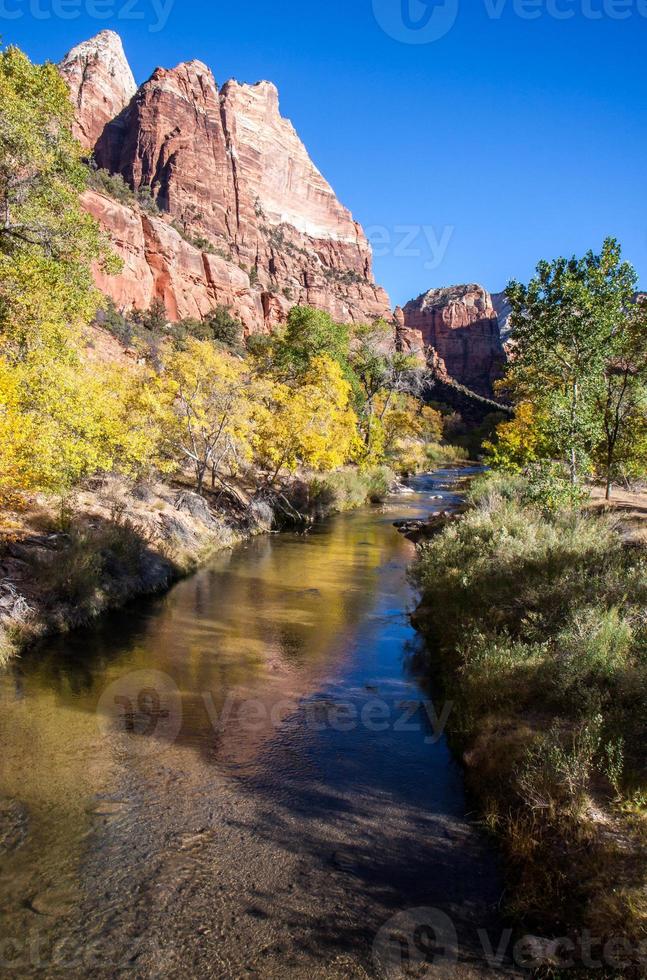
[(105, 464), (535, 607)]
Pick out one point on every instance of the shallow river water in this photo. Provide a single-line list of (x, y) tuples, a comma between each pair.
[(244, 778)]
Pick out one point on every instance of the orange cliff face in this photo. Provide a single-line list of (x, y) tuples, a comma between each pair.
[(246, 218)]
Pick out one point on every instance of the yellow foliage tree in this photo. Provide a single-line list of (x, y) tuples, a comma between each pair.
[(517, 442), (61, 421), (406, 417), (312, 424), (212, 420)]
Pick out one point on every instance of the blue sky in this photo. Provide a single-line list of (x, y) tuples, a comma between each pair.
[(505, 134)]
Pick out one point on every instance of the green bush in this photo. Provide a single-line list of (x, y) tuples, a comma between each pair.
[(113, 185), (146, 200), (219, 327), (349, 488), (549, 487)]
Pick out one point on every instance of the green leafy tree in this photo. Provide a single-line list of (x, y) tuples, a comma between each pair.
[(622, 400), (563, 328), (47, 241), (309, 334), (380, 375), (225, 329)]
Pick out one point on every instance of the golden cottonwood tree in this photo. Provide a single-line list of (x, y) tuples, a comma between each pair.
[(212, 422), (61, 422), (311, 424), (47, 241), (51, 414)]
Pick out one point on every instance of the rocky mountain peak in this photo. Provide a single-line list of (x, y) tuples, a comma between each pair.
[(101, 84), (246, 219)]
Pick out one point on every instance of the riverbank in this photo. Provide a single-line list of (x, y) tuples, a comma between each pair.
[(536, 629), (64, 564)]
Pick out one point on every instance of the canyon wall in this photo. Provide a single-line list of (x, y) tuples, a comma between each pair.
[(245, 217)]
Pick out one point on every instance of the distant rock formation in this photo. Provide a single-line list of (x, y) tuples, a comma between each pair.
[(460, 332), (246, 217)]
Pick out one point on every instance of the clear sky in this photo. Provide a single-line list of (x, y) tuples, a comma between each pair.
[(507, 132)]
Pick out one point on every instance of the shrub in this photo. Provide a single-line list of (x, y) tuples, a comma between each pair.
[(540, 615), (549, 488), (349, 488), (113, 185), (146, 200), (112, 320)]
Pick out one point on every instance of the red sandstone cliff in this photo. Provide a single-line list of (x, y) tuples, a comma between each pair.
[(101, 84), (459, 324), (256, 226)]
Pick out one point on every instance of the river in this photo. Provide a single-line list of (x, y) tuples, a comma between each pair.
[(243, 778)]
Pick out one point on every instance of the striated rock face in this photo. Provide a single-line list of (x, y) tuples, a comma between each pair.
[(232, 176), (100, 82), (245, 218), (159, 263), (460, 327)]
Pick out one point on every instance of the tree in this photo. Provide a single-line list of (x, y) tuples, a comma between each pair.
[(225, 328), (61, 421), (563, 325), (47, 242), (517, 442), (212, 419), (218, 326), (622, 399), (54, 418), (154, 319), (308, 334), (381, 375), (310, 424)]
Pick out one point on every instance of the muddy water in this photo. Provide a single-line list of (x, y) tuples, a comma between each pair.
[(243, 778)]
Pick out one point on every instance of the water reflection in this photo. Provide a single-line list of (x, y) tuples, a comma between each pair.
[(283, 623)]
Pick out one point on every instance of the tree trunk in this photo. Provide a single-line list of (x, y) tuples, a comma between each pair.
[(199, 473), (574, 401)]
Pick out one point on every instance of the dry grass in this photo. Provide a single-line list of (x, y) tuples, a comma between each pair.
[(111, 542), (541, 623)]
